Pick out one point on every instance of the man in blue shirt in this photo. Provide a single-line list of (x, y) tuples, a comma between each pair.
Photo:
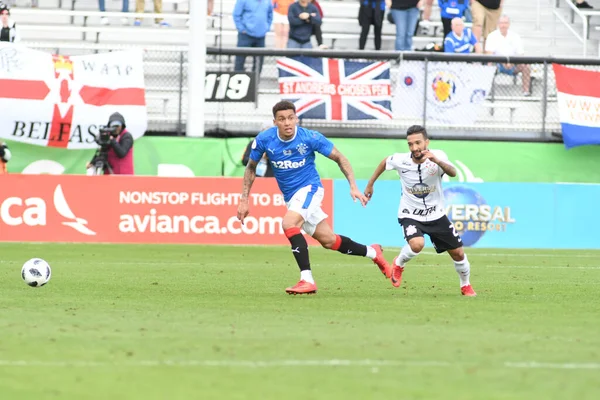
[(461, 39), (302, 16), (253, 20), (291, 151)]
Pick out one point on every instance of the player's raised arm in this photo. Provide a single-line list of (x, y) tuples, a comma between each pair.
[(346, 169), (378, 171), (442, 161), (249, 176)]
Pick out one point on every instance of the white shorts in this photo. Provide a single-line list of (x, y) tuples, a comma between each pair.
[(280, 18), (307, 202)]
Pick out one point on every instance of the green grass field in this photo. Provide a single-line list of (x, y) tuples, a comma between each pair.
[(196, 322)]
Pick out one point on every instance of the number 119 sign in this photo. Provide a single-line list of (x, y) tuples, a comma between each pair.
[(229, 87)]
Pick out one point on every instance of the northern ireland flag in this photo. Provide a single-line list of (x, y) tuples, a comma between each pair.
[(334, 89), (578, 94), (61, 101)]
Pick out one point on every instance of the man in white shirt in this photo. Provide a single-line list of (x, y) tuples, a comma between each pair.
[(422, 208), (504, 42)]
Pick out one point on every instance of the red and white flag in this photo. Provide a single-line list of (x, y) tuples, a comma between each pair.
[(61, 101)]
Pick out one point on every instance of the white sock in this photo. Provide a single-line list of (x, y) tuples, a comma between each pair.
[(371, 253), (406, 254), (463, 268), (306, 275)]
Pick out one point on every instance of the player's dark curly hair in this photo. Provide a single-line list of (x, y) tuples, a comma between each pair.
[(413, 130), (283, 106)]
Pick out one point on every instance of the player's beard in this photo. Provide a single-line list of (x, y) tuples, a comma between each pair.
[(417, 157)]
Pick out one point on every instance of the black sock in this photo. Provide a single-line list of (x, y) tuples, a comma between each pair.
[(299, 248), (345, 245)]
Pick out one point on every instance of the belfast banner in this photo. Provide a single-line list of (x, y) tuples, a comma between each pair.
[(61, 101), (454, 91)]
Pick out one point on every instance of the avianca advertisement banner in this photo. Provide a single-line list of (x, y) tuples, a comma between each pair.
[(61, 101), (119, 209)]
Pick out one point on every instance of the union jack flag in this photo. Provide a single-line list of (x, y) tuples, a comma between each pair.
[(334, 89)]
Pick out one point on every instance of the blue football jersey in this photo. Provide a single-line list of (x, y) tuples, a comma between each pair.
[(293, 161)]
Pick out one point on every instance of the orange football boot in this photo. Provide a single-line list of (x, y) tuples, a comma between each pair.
[(381, 262), (468, 291), (302, 287), (396, 275)]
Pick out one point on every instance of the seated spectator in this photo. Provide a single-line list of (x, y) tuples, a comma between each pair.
[(8, 28), (450, 9), (125, 9), (461, 39), (504, 42), (302, 16)]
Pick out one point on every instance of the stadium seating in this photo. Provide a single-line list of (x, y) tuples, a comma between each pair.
[(73, 27)]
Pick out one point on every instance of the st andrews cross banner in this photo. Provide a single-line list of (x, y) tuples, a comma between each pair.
[(339, 90), (454, 91), (578, 93), (60, 101)]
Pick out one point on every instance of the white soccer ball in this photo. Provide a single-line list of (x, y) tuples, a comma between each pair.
[(36, 272)]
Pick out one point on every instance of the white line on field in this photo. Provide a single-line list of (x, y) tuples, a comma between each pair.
[(289, 363), (541, 253)]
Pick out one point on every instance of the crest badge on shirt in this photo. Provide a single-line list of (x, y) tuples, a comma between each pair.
[(302, 149)]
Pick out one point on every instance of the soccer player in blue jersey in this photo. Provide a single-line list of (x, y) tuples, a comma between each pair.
[(291, 150)]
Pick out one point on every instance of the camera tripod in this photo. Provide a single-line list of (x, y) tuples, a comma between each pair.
[(101, 163)]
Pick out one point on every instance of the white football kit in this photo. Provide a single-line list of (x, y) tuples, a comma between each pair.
[(422, 194)]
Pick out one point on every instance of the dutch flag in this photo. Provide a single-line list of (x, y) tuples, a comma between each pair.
[(578, 94)]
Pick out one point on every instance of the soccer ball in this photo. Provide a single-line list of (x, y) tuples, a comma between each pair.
[(36, 272)]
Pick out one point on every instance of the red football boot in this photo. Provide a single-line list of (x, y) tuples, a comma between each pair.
[(302, 287), (381, 262)]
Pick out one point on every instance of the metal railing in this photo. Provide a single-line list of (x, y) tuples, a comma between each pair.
[(583, 15), (506, 113)]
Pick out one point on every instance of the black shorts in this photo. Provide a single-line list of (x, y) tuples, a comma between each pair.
[(441, 231)]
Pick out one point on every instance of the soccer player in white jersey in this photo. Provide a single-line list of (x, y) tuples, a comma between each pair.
[(422, 209), (291, 151)]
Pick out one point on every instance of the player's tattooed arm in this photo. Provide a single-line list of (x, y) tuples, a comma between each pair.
[(346, 169), (344, 165), (447, 168), (249, 176)]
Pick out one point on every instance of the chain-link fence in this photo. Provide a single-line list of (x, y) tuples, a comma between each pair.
[(453, 96)]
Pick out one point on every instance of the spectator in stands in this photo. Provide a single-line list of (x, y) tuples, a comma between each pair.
[(485, 17), (8, 32), (426, 16), (450, 9), (504, 42), (317, 27), (140, 6), (405, 15), (303, 15), (281, 25), (253, 19), (582, 4), (371, 12), (461, 39), (125, 9)]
